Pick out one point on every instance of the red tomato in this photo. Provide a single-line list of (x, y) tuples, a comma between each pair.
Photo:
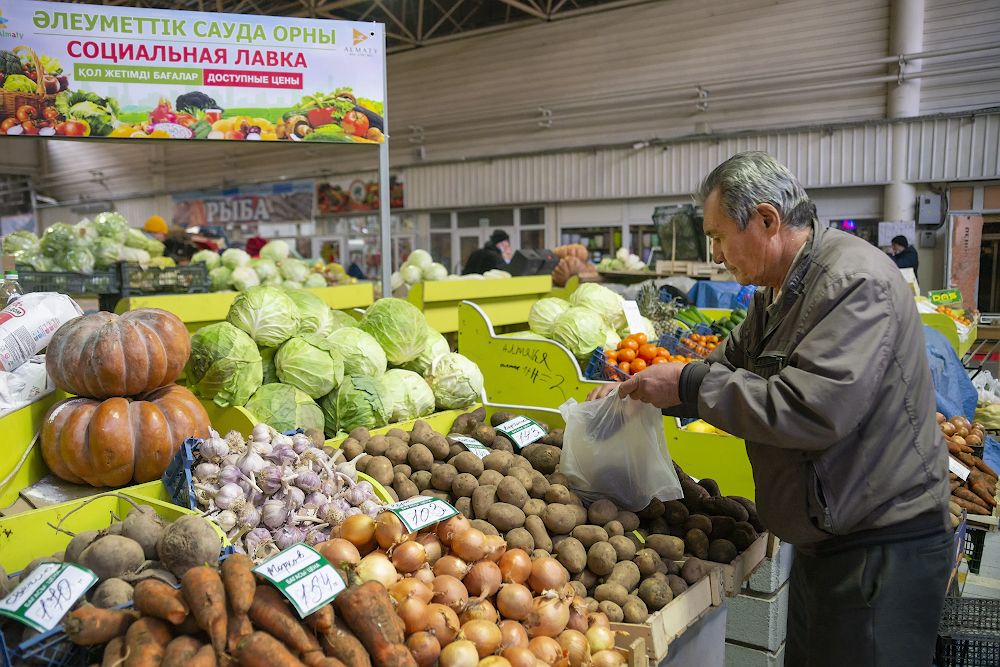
[(355, 123)]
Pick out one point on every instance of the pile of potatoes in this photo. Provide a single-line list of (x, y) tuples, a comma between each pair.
[(628, 563)]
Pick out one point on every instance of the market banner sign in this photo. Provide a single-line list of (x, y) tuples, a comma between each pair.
[(945, 297), (253, 204), (344, 196), (98, 71)]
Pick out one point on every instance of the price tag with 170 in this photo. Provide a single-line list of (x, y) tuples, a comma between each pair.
[(521, 431), (473, 445), (304, 577), (41, 600), (421, 511)]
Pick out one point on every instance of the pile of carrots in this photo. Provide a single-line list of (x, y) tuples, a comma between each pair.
[(977, 494), (945, 310), (635, 354)]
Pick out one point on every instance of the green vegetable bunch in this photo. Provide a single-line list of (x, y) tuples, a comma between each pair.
[(99, 112)]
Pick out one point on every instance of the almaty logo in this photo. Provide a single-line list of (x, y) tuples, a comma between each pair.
[(3, 21), (358, 36)]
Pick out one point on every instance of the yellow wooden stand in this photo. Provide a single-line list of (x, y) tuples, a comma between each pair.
[(948, 327), (565, 292), (18, 428), (507, 301), (199, 310)]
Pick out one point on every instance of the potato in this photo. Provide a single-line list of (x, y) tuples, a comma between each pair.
[(590, 535), (586, 577), (557, 493), (624, 548), (464, 485), (443, 477), (393, 496), (628, 520), (601, 558), (464, 424), (111, 593), (648, 562), (555, 438), (742, 536), (419, 457), (635, 611), (696, 543), (505, 517), (396, 451), (464, 507), (613, 592), (484, 496), (499, 461), (556, 539), (405, 489), (625, 573), (558, 478), (380, 469), (401, 468), (543, 458), (484, 433), (434, 493), (539, 485), (722, 527), (721, 551), (503, 444), (534, 506), (78, 544), (667, 546), (748, 504), (377, 445), (351, 448), (655, 593), (671, 567), (612, 611), (560, 519), (653, 510), (524, 477), (485, 527), (614, 528), (360, 434), (399, 434), (634, 538), (592, 605), (602, 512), (501, 417), (572, 555), (491, 477), (420, 432), (520, 538), (579, 588), (575, 500), (511, 491), (468, 462), (438, 445), (699, 521), (362, 463), (523, 463), (535, 526), (693, 570), (581, 514), (539, 553), (422, 479), (455, 450), (726, 507), (479, 414), (677, 585), (710, 485)]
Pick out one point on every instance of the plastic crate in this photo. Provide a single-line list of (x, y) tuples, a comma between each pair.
[(969, 634), (974, 541), (50, 649), (137, 281), (683, 346), (599, 369), (98, 282)]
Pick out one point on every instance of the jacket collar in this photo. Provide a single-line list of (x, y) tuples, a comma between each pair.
[(792, 287)]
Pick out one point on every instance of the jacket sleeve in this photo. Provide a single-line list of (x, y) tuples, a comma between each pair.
[(829, 381)]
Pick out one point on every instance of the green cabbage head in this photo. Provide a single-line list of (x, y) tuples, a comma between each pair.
[(455, 380), (293, 269), (218, 278), (420, 259), (361, 353), (264, 268), (358, 401), (544, 313), (581, 330), (209, 258), (342, 319), (412, 397), (111, 225), (602, 301), (266, 313), (284, 408), (309, 363), (274, 251), (398, 326), (224, 365), (19, 242), (234, 258), (314, 281), (267, 361), (435, 344), (315, 316)]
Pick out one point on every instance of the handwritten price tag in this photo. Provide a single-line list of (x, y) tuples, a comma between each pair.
[(634, 318), (473, 445), (42, 599), (957, 468), (304, 577), (421, 511), (521, 431)]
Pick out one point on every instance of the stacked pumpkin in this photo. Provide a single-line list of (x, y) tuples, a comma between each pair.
[(129, 418)]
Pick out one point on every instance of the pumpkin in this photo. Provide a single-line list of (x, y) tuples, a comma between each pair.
[(104, 355), (109, 443)]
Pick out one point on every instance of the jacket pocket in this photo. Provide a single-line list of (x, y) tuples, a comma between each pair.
[(769, 363), (818, 502)]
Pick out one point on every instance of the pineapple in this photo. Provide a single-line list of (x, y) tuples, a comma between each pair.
[(659, 313)]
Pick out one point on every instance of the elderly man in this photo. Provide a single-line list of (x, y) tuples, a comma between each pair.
[(828, 383)]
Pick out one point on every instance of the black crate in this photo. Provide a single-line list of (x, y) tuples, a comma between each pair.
[(969, 634), (98, 282), (137, 281), (974, 541)]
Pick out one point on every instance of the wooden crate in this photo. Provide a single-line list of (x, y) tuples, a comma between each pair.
[(666, 625), (635, 654), (745, 565)]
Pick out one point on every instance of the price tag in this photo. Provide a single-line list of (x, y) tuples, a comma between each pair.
[(304, 577), (521, 431), (957, 468), (634, 318), (42, 599), (473, 445), (421, 511)]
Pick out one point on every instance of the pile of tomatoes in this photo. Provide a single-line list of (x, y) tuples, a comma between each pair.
[(635, 354)]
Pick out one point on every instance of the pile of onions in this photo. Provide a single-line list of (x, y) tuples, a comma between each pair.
[(376, 566), (389, 530), (485, 635), (408, 556), (459, 654), (549, 615), (449, 591), (547, 574), (515, 566), (514, 601), (483, 579), (424, 647)]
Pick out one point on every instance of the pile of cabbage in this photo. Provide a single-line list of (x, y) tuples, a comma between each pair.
[(235, 270), (293, 362), (87, 246), (420, 267), (593, 317)]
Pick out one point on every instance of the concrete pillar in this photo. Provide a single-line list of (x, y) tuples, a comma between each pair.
[(906, 35)]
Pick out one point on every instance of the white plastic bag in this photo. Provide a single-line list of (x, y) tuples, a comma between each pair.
[(987, 386), (28, 323), (615, 448)]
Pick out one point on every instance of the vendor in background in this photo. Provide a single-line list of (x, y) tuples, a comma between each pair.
[(178, 245), (355, 270), (254, 244), (827, 380), (156, 228), (494, 255), (904, 254)]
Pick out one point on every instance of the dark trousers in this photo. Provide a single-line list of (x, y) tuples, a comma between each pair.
[(873, 606)]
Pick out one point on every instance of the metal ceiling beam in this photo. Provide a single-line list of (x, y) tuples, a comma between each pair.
[(532, 11), (395, 20), (447, 16)]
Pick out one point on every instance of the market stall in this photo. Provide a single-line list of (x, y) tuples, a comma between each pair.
[(506, 301)]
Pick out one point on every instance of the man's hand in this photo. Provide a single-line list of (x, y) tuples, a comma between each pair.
[(657, 385), (603, 390)]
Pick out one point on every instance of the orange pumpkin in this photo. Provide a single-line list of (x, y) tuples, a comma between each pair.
[(109, 443), (105, 355)]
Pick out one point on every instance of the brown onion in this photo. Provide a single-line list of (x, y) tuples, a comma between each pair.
[(494, 661), (598, 618), (547, 574), (515, 566), (546, 649), (578, 615), (408, 556), (607, 659), (483, 579), (377, 567), (443, 622), (452, 566), (514, 601), (548, 618), (338, 551), (478, 609), (432, 547), (370, 546), (358, 529), (575, 646), (459, 654), (496, 546), (485, 635), (600, 638), (519, 656), (469, 544), (425, 648), (413, 611), (449, 591), (948, 429), (447, 529), (513, 634), (411, 587), (424, 574), (389, 530)]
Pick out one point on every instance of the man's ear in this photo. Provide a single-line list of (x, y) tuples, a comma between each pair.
[(770, 216)]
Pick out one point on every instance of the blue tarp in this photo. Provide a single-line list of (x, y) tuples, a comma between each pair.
[(712, 294)]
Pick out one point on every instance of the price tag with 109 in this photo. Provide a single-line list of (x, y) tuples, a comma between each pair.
[(421, 511), (304, 577), (473, 445), (41, 600), (521, 431)]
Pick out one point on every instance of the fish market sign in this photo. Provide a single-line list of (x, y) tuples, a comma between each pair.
[(120, 72), (282, 202)]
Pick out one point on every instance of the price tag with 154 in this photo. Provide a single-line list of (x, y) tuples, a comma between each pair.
[(304, 577)]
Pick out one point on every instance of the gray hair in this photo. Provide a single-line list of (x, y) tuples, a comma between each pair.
[(748, 179)]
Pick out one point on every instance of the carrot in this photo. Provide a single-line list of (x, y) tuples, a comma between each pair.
[(980, 489), (206, 596), (368, 610), (146, 641), (180, 652), (955, 485), (321, 620), (971, 508), (239, 581), (189, 627), (238, 626), (114, 653), (262, 650), (985, 468), (968, 495), (205, 657), (89, 625), (958, 449), (952, 476), (967, 459), (317, 659), (270, 612), (341, 643), (157, 598)]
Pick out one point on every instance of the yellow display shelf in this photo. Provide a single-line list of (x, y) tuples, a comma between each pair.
[(18, 428), (199, 310), (565, 292), (507, 301), (947, 326)]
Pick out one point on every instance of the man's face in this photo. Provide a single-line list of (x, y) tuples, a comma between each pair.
[(745, 253), (896, 248), (505, 250)]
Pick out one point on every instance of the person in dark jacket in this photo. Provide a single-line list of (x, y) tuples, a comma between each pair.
[(355, 270), (904, 254), (827, 381), (490, 256)]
